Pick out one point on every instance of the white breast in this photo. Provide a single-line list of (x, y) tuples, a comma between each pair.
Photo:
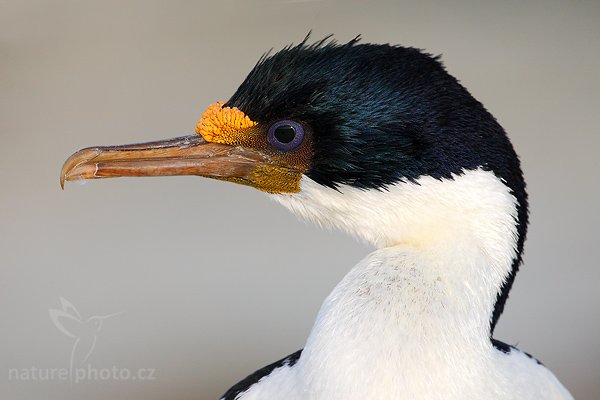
[(411, 321)]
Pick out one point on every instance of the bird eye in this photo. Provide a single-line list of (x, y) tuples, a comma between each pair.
[(285, 135)]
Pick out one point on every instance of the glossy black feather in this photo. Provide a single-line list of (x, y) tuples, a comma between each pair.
[(256, 376), (507, 348)]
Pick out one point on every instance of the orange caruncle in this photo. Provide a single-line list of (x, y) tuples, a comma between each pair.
[(220, 124)]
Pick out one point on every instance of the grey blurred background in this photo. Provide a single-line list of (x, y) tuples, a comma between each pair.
[(213, 280)]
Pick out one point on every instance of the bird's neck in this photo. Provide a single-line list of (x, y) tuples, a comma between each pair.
[(426, 296), (400, 321)]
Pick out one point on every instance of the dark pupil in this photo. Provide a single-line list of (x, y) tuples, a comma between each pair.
[(285, 133)]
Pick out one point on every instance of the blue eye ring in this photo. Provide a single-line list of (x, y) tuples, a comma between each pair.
[(285, 135)]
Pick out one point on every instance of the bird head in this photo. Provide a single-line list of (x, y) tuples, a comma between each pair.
[(96, 321), (368, 138)]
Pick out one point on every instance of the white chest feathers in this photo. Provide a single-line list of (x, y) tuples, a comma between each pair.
[(411, 321), (389, 331)]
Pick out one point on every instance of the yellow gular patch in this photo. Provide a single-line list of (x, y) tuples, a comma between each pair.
[(223, 125)]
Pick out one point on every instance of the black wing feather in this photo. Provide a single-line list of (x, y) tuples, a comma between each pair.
[(255, 377)]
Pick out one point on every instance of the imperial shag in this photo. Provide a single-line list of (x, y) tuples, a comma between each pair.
[(379, 141)]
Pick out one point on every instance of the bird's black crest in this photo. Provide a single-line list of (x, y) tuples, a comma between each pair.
[(381, 114)]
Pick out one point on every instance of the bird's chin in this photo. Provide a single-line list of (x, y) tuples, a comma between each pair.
[(328, 208)]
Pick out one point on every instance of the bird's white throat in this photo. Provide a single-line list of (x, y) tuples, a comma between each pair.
[(425, 297), (475, 204)]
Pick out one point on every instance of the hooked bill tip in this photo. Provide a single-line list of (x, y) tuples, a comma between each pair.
[(77, 159)]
